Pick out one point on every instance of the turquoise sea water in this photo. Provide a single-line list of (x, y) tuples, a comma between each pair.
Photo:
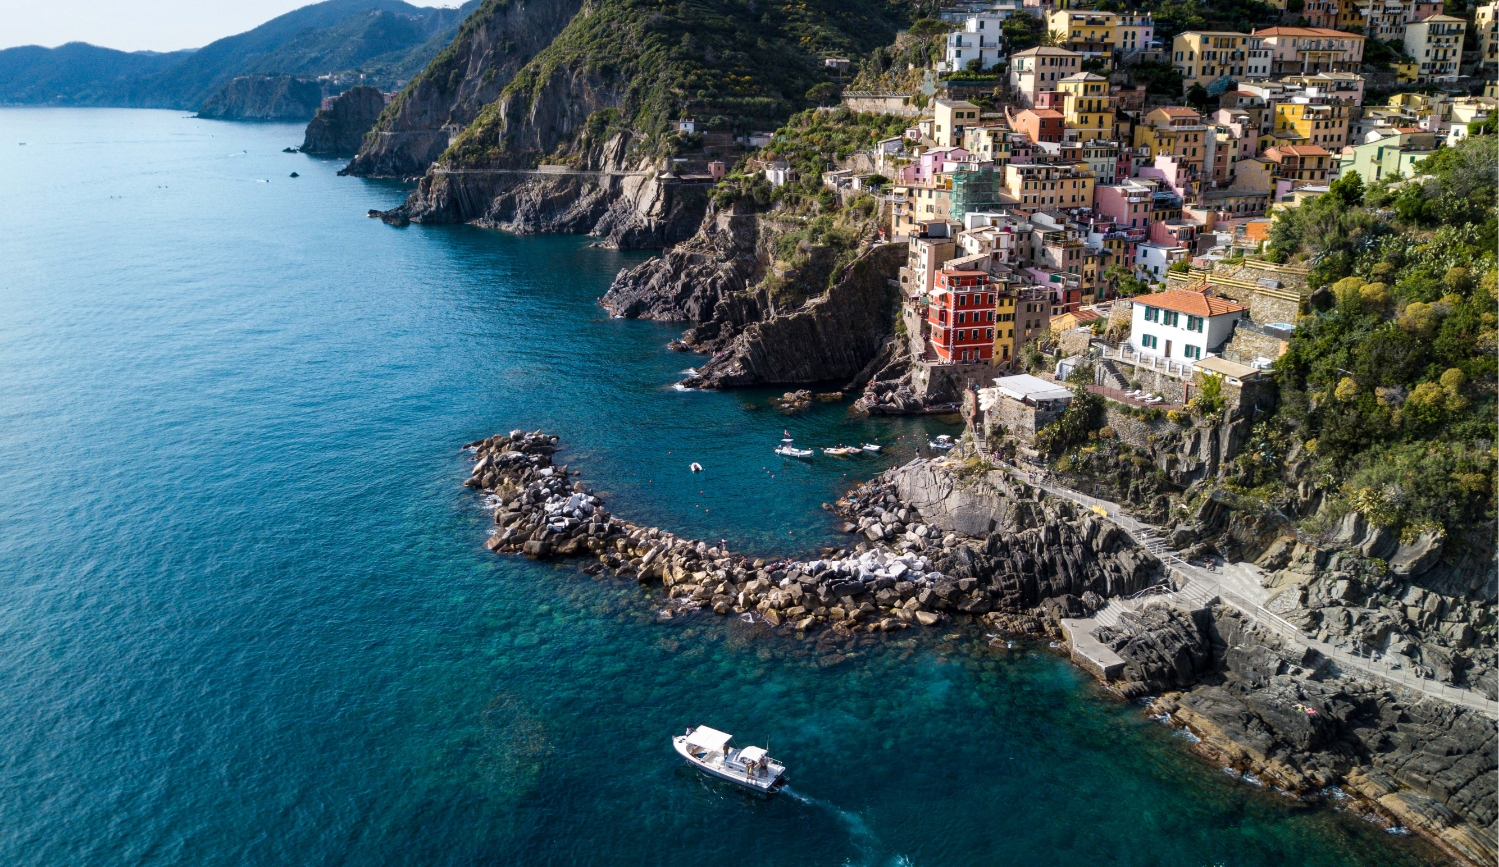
[(246, 618)]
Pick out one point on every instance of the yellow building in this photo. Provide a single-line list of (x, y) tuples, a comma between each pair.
[(1177, 131), (1486, 23), (1032, 187), (1204, 56), (1087, 108), (1088, 32), (1437, 44), (1321, 124), (949, 118)]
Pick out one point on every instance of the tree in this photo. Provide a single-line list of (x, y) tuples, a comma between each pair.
[(975, 65), (1125, 283), (1197, 96), (1348, 190), (824, 93), (1022, 30)]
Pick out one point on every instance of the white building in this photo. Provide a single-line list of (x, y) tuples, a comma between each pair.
[(1152, 260), (1181, 324), (980, 40)]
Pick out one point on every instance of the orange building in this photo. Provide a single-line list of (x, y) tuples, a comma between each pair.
[(961, 317), (1040, 124)]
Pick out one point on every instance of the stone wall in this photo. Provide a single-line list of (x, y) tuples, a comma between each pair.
[(1251, 342)]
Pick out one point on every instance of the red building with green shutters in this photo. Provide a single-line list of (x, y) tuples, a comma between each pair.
[(961, 317)]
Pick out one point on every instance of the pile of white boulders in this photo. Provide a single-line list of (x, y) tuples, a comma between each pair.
[(541, 512)]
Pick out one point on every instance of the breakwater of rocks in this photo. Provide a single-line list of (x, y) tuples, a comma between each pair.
[(1042, 563)]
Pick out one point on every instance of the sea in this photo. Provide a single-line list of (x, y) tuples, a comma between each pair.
[(246, 615)]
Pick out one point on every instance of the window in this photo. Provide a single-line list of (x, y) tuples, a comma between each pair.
[(1148, 341), (1152, 314), (1194, 323), (1172, 318)]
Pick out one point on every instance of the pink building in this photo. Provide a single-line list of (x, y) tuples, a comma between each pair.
[(1127, 204), (1174, 233), (929, 164)]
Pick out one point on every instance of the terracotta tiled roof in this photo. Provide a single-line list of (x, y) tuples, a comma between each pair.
[(1177, 111), (1047, 113), (1306, 31), (1304, 150), (1193, 303)]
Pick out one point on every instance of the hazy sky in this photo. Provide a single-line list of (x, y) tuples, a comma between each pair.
[(135, 25)]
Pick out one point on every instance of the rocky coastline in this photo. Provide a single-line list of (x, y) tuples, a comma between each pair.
[(940, 539)]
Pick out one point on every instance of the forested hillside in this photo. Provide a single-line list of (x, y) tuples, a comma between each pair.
[(1389, 384)]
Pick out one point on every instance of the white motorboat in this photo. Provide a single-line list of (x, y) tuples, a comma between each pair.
[(871, 447), (840, 451), (790, 451), (943, 442), (708, 750), (695, 467)]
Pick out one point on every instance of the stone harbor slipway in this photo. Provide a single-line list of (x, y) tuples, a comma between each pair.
[(950, 538)]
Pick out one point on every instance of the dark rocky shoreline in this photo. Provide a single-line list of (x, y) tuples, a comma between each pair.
[(938, 539)]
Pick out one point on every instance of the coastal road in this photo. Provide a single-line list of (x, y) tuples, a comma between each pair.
[(1237, 584)]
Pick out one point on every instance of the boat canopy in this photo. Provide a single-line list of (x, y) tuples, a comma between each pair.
[(751, 754), (709, 739)]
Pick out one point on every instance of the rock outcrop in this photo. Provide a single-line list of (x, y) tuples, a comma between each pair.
[(495, 43), (1279, 711), (264, 97), (686, 282), (833, 336), (341, 127), (627, 210)]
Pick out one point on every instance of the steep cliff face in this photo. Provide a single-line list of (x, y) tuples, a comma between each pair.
[(687, 282), (597, 109), (495, 43), (832, 337), (341, 128), (264, 97)]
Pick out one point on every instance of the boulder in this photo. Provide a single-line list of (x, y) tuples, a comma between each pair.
[(1419, 556)]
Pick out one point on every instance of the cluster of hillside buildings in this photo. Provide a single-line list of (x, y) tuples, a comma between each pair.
[(1027, 204)]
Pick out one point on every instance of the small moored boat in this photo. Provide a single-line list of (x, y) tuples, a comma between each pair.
[(943, 442), (840, 451), (695, 467), (791, 451), (871, 447), (708, 750)]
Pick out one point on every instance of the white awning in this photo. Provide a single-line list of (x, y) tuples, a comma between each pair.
[(751, 754), (1234, 372), (1027, 387), (709, 739)]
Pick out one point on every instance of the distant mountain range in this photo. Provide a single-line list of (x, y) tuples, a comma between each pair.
[(388, 41)]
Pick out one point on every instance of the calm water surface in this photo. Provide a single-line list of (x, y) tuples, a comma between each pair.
[(246, 618)]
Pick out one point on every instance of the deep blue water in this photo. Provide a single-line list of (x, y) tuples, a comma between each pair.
[(246, 616)]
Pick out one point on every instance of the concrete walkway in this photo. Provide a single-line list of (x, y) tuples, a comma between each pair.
[(1237, 584)]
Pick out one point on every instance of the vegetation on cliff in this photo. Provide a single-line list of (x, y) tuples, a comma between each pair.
[(734, 65), (1389, 385), (815, 231)]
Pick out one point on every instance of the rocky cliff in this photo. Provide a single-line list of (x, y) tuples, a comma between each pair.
[(264, 97), (686, 282), (495, 43), (759, 340), (340, 129), (1275, 709)]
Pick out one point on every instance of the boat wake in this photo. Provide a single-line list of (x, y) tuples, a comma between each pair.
[(871, 852)]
